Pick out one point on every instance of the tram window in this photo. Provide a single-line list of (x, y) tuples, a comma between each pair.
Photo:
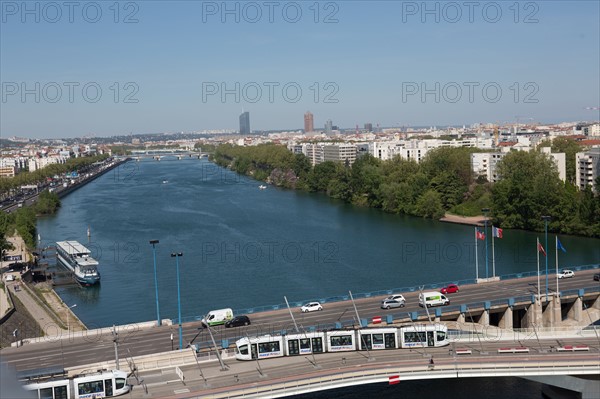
[(441, 335), (90, 387), (341, 340), (305, 343), (267, 347), (108, 387), (46, 393), (377, 339), (61, 392), (244, 349), (120, 382), (413, 336)]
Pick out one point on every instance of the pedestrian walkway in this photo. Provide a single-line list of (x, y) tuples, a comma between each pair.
[(40, 312), (4, 305)]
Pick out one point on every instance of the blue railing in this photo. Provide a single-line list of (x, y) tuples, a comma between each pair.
[(434, 286)]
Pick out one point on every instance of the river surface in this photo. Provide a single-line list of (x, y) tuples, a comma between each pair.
[(245, 247)]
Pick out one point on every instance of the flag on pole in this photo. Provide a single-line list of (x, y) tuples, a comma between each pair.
[(480, 235), (541, 248), (496, 232), (559, 245)]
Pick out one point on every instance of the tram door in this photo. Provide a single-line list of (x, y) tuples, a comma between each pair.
[(366, 341), (430, 340), (254, 351), (108, 387), (293, 347), (317, 345)]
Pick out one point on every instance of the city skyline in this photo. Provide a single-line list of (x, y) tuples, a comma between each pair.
[(156, 66)]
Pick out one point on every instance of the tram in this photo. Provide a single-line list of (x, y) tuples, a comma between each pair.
[(414, 336), (96, 385)]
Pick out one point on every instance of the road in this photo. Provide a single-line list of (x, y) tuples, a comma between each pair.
[(135, 341)]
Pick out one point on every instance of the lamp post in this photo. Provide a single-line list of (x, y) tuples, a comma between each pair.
[(485, 212), (153, 243), (176, 256), (68, 313), (546, 219)]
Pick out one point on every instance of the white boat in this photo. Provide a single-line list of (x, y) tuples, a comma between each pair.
[(165, 181), (262, 187), (77, 258)]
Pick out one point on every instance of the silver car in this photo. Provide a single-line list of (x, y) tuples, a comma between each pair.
[(392, 303)]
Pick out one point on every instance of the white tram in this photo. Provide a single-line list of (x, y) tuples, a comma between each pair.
[(102, 384), (414, 336)]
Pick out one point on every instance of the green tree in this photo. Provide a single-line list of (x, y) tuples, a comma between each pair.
[(430, 205)]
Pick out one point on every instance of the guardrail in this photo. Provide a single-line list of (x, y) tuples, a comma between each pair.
[(340, 298)]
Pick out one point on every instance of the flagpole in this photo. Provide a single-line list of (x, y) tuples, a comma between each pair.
[(476, 259), (493, 255), (556, 246), (537, 248)]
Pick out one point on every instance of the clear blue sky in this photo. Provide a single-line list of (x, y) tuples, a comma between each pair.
[(373, 54)]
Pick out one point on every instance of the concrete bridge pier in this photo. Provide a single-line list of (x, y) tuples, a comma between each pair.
[(576, 311), (552, 313), (506, 320), (567, 386), (533, 316)]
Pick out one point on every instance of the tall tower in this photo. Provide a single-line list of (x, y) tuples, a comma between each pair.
[(309, 125), (328, 126), (245, 123)]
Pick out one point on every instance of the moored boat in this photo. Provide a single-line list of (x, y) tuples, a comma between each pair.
[(78, 259)]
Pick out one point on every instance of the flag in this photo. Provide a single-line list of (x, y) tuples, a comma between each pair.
[(541, 249), (559, 245), (480, 235), (395, 379), (496, 232)]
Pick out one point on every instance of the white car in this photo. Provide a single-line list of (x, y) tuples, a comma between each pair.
[(566, 274), (311, 307), (396, 297)]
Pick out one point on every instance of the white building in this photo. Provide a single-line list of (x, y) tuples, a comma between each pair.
[(485, 164), (587, 168)]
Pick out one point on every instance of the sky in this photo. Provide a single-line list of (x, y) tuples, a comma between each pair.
[(103, 68)]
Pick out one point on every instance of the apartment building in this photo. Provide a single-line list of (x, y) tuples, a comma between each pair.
[(587, 168)]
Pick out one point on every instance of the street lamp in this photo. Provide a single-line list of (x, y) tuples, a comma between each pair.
[(176, 256), (546, 219), (68, 313), (485, 212), (153, 243)]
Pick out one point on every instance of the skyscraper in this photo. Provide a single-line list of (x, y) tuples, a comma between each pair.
[(328, 126), (245, 123), (309, 125)]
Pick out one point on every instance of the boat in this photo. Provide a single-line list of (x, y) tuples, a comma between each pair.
[(77, 259), (165, 181), (262, 187)]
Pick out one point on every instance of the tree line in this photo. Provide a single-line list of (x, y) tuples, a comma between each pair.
[(442, 182), (40, 175)]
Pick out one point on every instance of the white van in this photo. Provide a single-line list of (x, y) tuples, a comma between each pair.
[(433, 298), (216, 317)]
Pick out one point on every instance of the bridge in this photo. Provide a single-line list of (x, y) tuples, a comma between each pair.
[(502, 328), (158, 154)]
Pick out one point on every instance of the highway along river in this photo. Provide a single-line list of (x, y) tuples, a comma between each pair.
[(245, 247)]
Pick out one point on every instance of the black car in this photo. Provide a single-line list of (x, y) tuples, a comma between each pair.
[(597, 277), (238, 321)]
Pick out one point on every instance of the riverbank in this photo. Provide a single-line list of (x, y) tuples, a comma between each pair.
[(468, 220), (38, 310)]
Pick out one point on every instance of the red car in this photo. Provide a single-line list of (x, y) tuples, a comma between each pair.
[(450, 289)]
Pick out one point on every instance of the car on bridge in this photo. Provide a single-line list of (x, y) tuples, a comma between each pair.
[(396, 297), (566, 274), (449, 289), (597, 277), (238, 321), (392, 303), (311, 307)]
